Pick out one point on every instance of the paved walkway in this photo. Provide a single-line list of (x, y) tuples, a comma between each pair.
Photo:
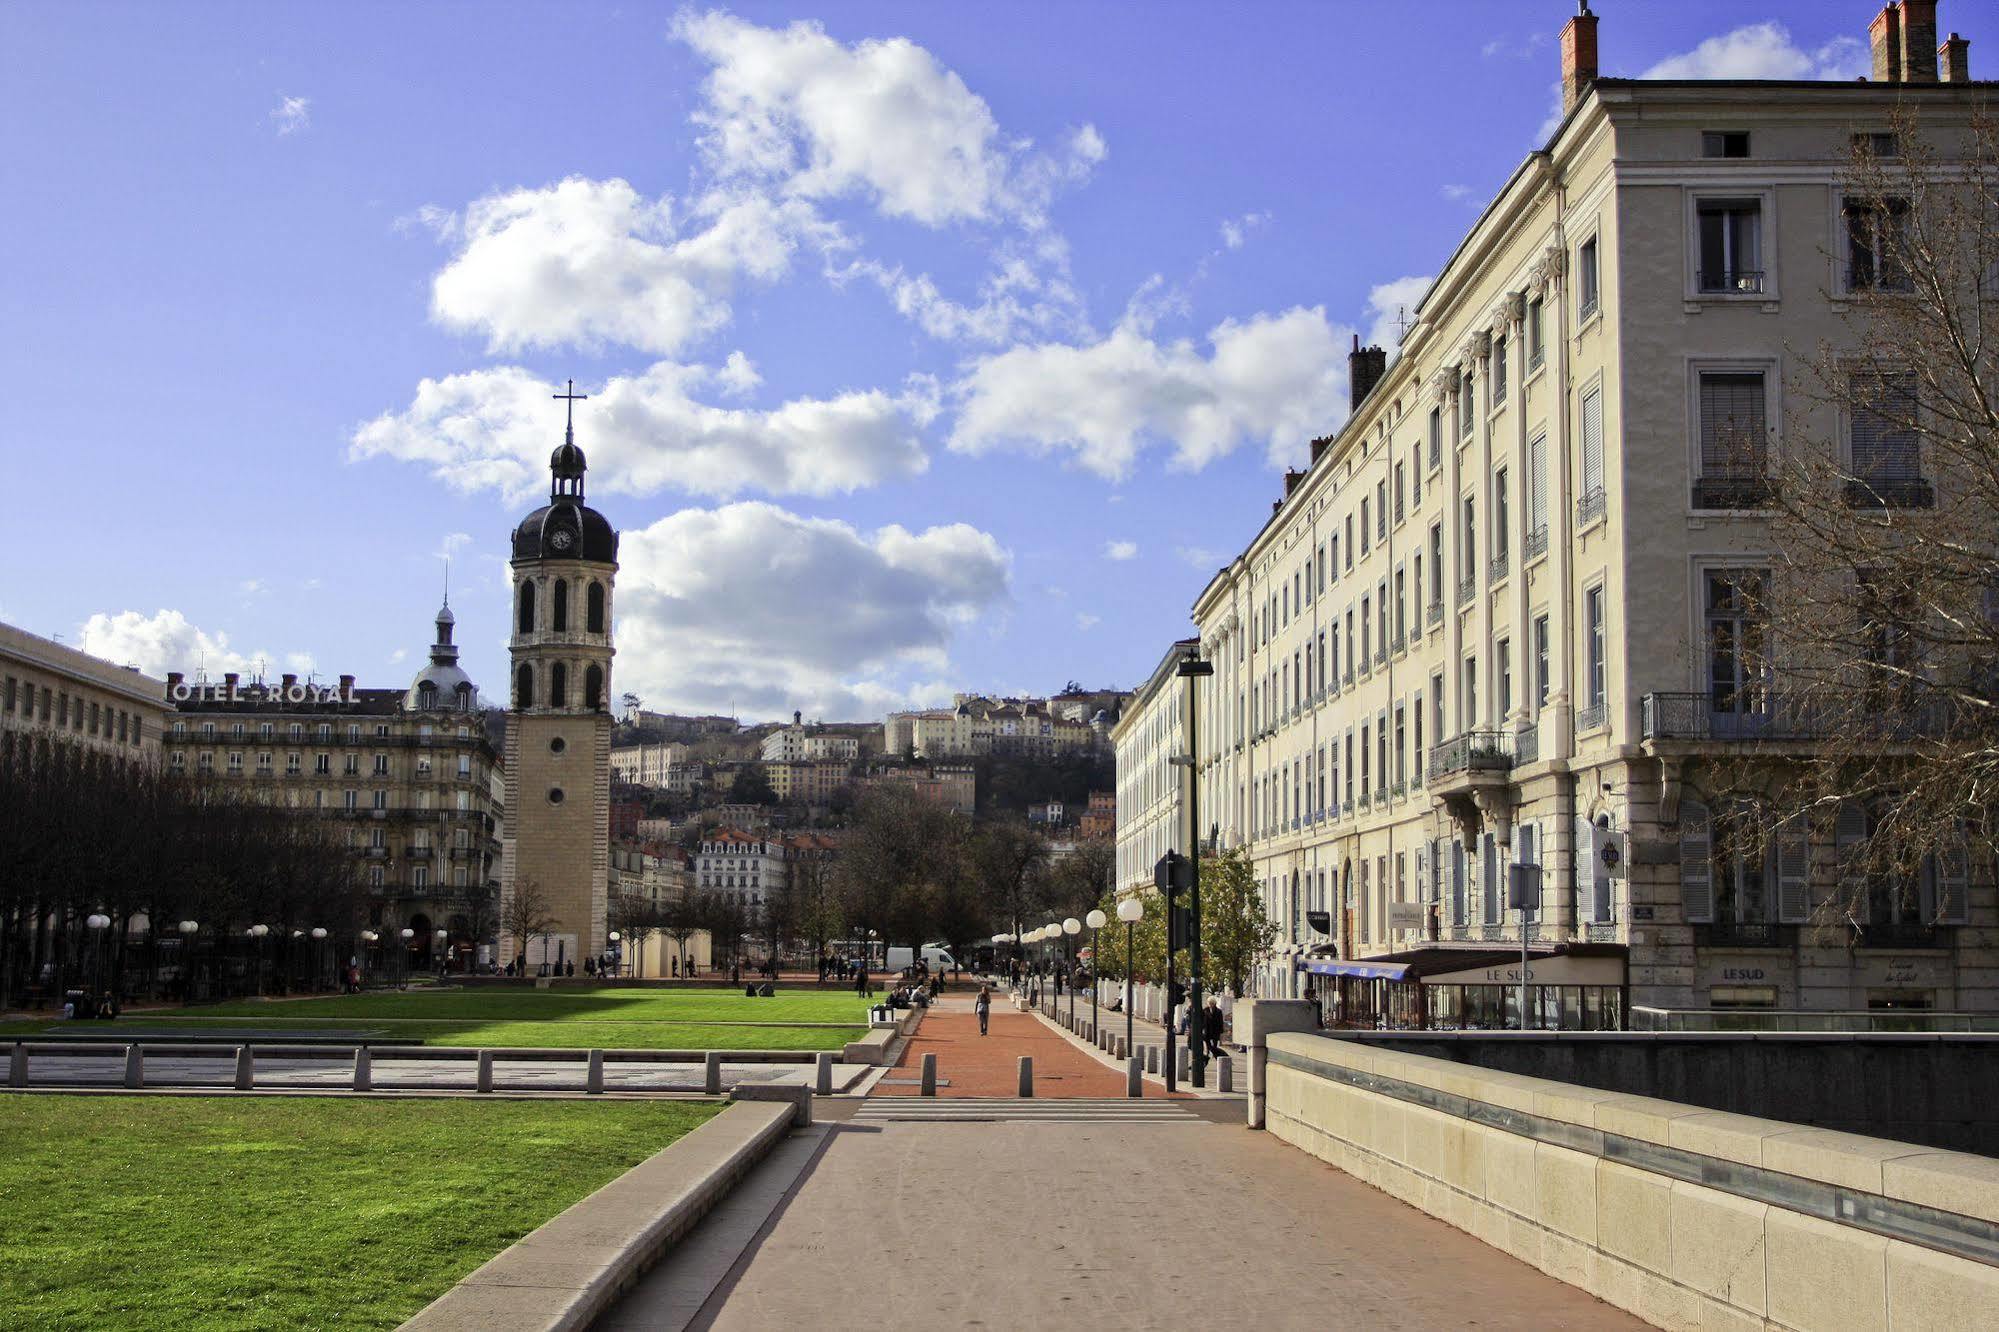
[(969, 1064), (1058, 1219)]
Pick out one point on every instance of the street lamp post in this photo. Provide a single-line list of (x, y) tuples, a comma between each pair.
[(1192, 666), (1129, 911), (188, 929), (318, 956), (1095, 920), (443, 946), (1071, 927), (616, 960), (98, 923), (258, 932), (404, 958)]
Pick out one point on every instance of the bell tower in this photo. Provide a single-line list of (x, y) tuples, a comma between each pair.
[(557, 837)]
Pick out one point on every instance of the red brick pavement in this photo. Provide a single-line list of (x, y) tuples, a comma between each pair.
[(976, 1065)]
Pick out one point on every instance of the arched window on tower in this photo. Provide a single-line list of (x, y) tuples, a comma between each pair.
[(524, 688), (593, 688), (558, 685), (595, 622), (527, 608), (559, 615)]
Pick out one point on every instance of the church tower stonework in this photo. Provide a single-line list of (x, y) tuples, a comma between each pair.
[(558, 753)]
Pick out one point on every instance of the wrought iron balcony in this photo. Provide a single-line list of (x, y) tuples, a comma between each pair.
[(1590, 718), (1436, 613), (1745, 934), (1381, 655), (1891, 493), (1473, 751), (1590, 507), (1527, 745), (1731, 281), (1399, 642), (1498, 569), (1467, 589), (1600, 931), (1905, 934), (1537, 544), (1732, 492)]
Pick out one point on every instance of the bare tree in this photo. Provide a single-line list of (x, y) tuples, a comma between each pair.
[(525, 914), (1861, 672)]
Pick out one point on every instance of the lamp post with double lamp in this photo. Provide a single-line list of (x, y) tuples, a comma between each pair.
[(407, 949), (1071, 927), (1130, 910), (319, 967), (1052, 932), (259, 933), (443, 948), (1095, 920), (1193, 667), (369, 938), (614, 953)]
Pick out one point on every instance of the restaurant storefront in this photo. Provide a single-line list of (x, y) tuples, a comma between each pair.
[(1581, 988)]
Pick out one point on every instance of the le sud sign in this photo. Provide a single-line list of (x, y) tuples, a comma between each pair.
[(230, 691)]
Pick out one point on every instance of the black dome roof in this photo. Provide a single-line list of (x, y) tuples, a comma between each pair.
[(586, 534)]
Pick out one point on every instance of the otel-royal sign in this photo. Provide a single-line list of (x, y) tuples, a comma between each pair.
[(182, 691)]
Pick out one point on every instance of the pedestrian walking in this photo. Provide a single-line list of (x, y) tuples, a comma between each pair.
[(1211, 1027), (983, 1005)]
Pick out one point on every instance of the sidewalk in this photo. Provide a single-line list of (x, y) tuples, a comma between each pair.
[(969, 1064)]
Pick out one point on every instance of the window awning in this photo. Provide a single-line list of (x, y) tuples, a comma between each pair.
[(1332, 966)]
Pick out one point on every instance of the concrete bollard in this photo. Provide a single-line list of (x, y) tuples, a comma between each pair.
[(1224, 1074), (822, 1073), (929, 1084), (246, 1069), (711, 1073), (1183, 1063), (593, 1077), (1134, 1078), (364, 1069), (135, 1066), (17, 1066), (485, 1070), (1152, 1059), (1026, 1075)]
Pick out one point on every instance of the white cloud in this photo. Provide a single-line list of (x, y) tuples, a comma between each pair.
[(1556, 114), (585, 263), (1120, 550), (167, 641), (1457, 193), (1274, 379), (1764, 51), (794, 108), (1389, 305), (645, 433), (1199, 557), (754, 609), (251, 587), (399, 656), (452, 543), (1235, 230), (738, 374), (1087, 622), (1016, 299), (292, 114)]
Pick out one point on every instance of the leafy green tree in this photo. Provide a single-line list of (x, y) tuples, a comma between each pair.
[(752, 786), (1236, 930)]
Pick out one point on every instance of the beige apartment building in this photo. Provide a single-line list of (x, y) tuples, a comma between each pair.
[(1493, 622), (413, 774), (1151, 787), (54, 697)]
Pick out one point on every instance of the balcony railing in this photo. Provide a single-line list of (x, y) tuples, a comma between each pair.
[(1590, 718), (1381, 655), (1745, 934), (1590, 507), (1467, 589), (1741, 281), (1399, 642), (1904, 934), (1600, 931), (1768, 715), (1891, 493), (1537, 544), (1436, 613), (1474, 751), (1732, 492), (1527, 745), (1498, 569)]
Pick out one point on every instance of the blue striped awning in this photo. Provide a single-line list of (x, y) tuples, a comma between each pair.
[(1332, 966)]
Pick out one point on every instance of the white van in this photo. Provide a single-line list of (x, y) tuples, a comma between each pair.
[(934, 957)]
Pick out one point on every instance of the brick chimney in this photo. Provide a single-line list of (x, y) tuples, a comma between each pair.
[(1956, 57), (1291, 480), (1919, 41), (1884, 36), (1319, 446), (1578, 56), (1365, 367)]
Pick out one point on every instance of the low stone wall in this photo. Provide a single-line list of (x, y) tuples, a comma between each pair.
[(1687, 1217)]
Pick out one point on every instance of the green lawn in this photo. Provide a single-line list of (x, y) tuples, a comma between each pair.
[(136, 1212), (607, 1019)]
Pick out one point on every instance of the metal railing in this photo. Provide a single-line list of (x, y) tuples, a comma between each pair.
[(1590, 718), (1905, 934), (1498, 569), (1527, 745), (1746, 281), (1745, 934), (1467, 589), (1762, 714), (1436, 613), (1902, 492), (1732, 492), (1590, 507), (1473, 751), (1600, 931), (1537, 544)]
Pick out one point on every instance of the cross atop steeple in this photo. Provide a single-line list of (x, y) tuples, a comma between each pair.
[(572, 398)]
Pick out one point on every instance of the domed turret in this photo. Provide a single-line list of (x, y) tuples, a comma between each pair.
[(442, 685), (566, 528)]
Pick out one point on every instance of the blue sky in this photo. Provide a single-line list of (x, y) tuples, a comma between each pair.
[(931, 346)]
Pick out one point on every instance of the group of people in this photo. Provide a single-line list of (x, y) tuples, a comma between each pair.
[(915, 987)]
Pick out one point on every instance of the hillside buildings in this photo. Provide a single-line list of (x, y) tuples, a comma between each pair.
[(1023, 727), (799, 743), (1498, 619)]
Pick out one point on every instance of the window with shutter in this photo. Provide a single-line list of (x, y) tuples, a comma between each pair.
[(1592, 432), (1696, 867), (1602, 906), (1734, 436), (1953, 886), (1526, 851), (1488, 865), (1849, 843), (1883, 428), (1794, 873), (1537, 493), (1457, 883)]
